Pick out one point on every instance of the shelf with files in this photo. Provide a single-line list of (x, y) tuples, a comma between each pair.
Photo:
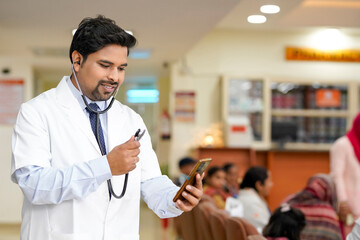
[(309, 114), (305, 114)]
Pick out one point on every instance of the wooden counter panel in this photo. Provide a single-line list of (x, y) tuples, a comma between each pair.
[(291, 171)]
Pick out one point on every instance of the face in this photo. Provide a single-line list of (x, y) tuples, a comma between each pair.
[(187, 169), (102, 72), (217, 180), (264, 189), (232, 175)]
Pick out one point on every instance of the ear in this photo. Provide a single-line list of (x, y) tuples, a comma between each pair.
[(258, 185), (76, 58)]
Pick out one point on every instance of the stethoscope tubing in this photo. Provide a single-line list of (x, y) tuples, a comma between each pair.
[(103, 151)]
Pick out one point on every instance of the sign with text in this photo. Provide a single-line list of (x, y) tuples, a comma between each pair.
[(310, 54), (11, 97), (328, 98), (185, 106)]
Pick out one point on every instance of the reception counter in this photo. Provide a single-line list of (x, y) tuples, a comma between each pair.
[(290, 170)]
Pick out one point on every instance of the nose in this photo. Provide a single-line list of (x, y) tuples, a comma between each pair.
[(113, 74)]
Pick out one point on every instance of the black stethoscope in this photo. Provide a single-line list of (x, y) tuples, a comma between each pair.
[(103, 151)]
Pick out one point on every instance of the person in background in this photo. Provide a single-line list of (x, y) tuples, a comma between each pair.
[(286, 223), (345, 171), (214, 186), (319, 204), (254, 189), (232, 179), (186, 164)]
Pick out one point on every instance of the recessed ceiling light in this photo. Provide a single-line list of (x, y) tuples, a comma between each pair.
[(256, 19), (270, 9)]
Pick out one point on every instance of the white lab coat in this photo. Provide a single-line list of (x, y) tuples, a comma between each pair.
[(53, 131)]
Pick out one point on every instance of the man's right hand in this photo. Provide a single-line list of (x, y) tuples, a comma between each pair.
[(123, 158)]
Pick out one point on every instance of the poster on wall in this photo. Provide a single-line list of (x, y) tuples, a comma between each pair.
[(11, 97), (185, 106)]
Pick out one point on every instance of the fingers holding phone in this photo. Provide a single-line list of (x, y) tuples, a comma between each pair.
[(191, 196)]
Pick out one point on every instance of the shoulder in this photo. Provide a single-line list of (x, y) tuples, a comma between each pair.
[(342, 143), (248, 195), (39, 102)]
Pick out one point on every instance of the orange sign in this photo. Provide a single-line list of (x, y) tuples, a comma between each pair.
[(238, 128), (328, 98), (310, 54)]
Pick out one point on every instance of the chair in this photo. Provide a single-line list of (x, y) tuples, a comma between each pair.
[(235, 229), (202, 218), (239, 229), (185, 226), (217, 223)]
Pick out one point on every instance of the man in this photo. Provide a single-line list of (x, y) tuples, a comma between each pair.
[(70, 161), (185, 164)]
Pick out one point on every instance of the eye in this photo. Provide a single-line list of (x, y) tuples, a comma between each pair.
[(104, 65), (121, 69)]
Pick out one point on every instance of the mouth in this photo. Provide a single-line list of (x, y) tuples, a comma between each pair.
[(108, 88)]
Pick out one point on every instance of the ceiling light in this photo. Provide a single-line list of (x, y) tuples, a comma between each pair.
[(329, 39), (256, 19), (73, 31), (140, 53), (270, 9)]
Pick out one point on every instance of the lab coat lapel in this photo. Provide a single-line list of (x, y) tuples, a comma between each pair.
[(115, 125), (73, 111)]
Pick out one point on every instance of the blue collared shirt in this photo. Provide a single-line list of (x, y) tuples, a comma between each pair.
[(47, 185)]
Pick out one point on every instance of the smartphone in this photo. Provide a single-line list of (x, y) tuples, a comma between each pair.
[(199, 167)]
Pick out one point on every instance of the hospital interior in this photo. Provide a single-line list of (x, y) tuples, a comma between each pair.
[(226, 80)]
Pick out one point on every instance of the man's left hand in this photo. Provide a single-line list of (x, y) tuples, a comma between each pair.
[(192, 195)]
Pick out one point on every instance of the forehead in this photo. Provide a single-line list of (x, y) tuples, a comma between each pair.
[(113, 53)]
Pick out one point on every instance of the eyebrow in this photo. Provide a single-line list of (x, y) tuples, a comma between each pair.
[(111, 63)]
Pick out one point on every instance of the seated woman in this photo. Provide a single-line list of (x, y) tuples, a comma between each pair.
[(254, 188), (286, 223), (319, 204), (214, 186), (232, 179)]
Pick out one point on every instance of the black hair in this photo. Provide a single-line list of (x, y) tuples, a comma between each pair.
[(227, 167), (253, 175), (186, 161), (213, 170), (288, 223), (93, 34)]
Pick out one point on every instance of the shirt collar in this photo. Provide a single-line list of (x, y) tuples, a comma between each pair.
[(102, 104)]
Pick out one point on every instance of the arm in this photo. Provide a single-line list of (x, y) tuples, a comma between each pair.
[(338, 158), (47, 185), (159, 192)]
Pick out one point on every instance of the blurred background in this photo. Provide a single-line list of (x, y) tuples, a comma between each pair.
[(203, 72)]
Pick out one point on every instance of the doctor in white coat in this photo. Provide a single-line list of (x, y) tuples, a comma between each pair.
[(57, 161)]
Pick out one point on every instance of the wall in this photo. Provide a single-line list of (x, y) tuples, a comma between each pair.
[(11, 200), (250, 54)]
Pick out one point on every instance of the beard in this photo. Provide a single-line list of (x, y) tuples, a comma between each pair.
[(105, 96)]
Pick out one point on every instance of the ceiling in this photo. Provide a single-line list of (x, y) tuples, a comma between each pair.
[(42, 28)]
